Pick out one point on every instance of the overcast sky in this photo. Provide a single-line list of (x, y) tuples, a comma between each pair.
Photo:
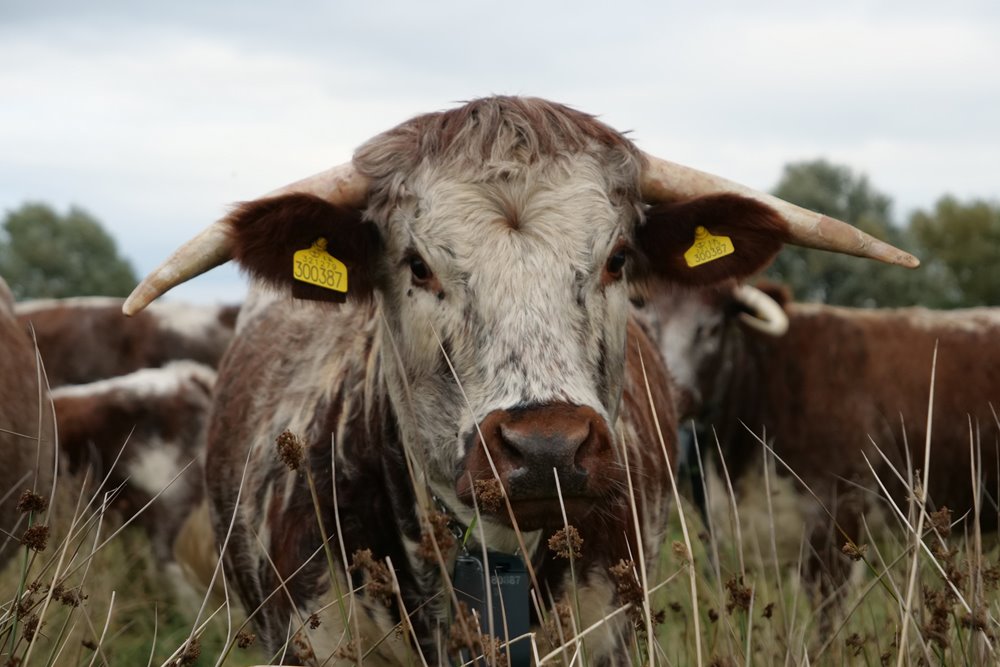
[(154, 119)]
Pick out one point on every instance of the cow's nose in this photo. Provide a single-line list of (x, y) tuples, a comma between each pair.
[(530, 445), (533, 443)]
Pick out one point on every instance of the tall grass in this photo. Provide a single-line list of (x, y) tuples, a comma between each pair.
[(87, 600), (728, 594)]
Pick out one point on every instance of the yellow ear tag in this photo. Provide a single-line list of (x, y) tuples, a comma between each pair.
[(707, 248), (316, 266)]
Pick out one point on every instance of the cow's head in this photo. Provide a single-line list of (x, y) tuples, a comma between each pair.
[(498, 240), (698, 332)]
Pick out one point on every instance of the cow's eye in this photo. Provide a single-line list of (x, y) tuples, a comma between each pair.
[(421, 272), (616, 263)]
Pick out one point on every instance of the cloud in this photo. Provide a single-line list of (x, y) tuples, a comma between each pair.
[(155, 117)]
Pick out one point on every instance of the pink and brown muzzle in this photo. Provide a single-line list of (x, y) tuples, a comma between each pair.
[(529, 447)]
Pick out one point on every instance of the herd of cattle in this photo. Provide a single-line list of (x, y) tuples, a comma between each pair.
[(486, 353)]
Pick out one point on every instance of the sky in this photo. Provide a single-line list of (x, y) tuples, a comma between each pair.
[(155, 116)]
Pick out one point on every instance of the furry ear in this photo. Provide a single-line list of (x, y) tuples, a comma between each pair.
[(756, 232), (267, 233)]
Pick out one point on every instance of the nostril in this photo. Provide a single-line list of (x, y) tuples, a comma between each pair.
[(595, 450), (509, 445), (586, 447)]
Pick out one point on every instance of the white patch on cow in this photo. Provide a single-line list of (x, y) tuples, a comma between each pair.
[(80, 302), (187, 320), (688, 331), (146, 383), (971, 320), (155, 467)]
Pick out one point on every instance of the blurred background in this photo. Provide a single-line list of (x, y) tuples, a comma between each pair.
[(127, 127)]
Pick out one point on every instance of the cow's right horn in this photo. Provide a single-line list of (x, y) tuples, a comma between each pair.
[(765, 314), (342, 185)]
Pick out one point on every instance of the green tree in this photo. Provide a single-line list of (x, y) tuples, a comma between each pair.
[(835, 190), (44, 254), (965, 238)]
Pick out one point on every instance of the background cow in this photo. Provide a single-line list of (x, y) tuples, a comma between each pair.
[(840, 382), (84, 339), (139, 432), (25, 427), (485, 339)]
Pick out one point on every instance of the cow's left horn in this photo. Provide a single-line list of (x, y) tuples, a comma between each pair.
[(666, 181), (766, 315), (342, 185)]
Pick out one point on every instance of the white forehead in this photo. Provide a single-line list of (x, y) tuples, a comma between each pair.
[(556, 206)]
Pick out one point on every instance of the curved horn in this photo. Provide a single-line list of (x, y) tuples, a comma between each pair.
[(767, 316), (667, 181), (342, 185)]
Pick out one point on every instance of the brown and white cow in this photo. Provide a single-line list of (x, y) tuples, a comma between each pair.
[(84, 339), (142, 435), (488, 251), (827, 384), (25, 428)]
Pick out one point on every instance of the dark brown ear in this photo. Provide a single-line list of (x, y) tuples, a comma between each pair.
[(268, 232), (756, 232)]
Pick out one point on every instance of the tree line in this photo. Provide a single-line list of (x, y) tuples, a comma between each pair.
[(46, 254), (958, 244)]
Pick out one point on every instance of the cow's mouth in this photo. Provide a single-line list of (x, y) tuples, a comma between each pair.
[(536, 513), (531, 511)]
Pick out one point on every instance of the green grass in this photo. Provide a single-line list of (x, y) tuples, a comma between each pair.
[(97, 602), (781, 620)]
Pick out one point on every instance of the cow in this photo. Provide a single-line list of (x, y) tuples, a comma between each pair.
[(26, 436), (85, 339), (828, 386), (483, 361), (141, 435)]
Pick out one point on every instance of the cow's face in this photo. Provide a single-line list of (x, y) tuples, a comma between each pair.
[(506, 303), (688, 326), (699, 331)]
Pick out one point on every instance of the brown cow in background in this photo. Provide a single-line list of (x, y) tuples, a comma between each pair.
[(24, 409), (144, 433), (83, 339), (840, 382), (119, 391)]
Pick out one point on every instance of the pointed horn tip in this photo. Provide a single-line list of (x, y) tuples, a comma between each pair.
[(137, 301), (892, 255)]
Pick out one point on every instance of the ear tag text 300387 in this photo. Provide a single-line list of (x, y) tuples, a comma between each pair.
[(707, 248)]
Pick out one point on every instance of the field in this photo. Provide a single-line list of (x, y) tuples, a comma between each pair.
[(94, 595)]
